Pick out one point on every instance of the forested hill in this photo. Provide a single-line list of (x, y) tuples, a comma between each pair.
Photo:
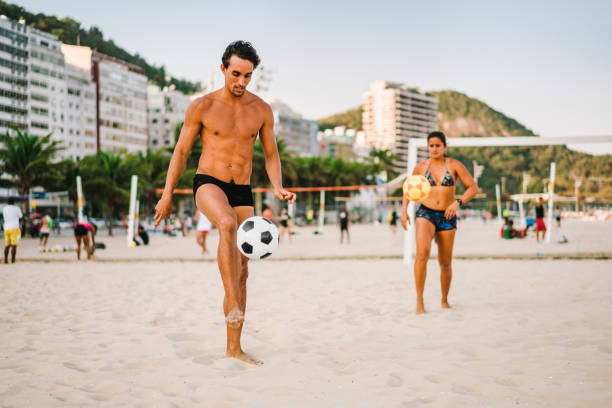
[(351, 119), (460, 115), (69, 31)]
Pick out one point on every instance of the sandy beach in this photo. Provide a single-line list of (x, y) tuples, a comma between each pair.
[(331, 333)]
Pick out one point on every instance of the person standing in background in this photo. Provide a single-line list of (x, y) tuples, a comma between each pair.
[(12, 232), (540, 225), (344, 218), (45, 229), (203, 226)]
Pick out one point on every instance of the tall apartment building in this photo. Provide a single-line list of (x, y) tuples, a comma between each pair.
[(167, 108), (47, 87), (13, 75), (393, 113), (300, 135), (121, 99), (80, 116)]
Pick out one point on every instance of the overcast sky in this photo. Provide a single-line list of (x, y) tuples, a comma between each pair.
[(547, 64)]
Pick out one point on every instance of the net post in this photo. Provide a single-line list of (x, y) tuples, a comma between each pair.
[(410, 233), (551, 199)]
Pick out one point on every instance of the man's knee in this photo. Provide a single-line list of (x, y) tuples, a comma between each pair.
[(227, 224)]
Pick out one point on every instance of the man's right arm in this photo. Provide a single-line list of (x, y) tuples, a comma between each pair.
[(190, 131)]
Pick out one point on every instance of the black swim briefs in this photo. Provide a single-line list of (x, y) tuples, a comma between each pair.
[(237, 194)]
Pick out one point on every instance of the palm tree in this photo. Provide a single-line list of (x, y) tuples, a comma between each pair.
[(382, 160), (153, 169), (259, 177), (29, 160), (106, 179)]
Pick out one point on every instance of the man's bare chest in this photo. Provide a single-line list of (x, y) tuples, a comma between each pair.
[(243, 122)]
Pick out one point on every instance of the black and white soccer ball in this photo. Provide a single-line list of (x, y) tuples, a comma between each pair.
[(257, 237)]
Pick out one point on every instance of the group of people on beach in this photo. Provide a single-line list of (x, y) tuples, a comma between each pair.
[(228, 121)]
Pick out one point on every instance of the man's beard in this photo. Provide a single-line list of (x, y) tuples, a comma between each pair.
[(238, 95)]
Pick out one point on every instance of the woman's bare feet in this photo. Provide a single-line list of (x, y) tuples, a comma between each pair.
[(420, 308), (241, 355), (445, 304), (234, 318)]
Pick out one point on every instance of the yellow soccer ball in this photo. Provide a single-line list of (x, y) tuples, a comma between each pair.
[(416, 188)]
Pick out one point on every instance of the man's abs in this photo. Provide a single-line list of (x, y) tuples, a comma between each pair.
[(227, 158)]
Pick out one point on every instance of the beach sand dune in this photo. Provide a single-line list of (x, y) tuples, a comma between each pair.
[(333, 333)]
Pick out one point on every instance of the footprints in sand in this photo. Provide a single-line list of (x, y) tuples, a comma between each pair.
[(432, 378), (415, 403), (76, 367), (394, 380), (461, 389)]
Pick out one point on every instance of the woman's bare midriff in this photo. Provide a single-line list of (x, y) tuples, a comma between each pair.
[(439, 198)]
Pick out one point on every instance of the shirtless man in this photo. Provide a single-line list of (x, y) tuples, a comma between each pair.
[(228, 121)]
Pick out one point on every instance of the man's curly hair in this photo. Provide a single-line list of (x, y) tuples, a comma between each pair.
[(242, 49)]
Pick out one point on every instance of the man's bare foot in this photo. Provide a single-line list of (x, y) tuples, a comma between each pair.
[(234, 318), (241, 355), (445, 304), (420, 309)]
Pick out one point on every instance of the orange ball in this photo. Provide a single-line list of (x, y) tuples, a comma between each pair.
[(416, 188)]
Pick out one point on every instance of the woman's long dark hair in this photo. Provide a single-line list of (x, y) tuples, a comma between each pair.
[(440, 136), (437, 134)]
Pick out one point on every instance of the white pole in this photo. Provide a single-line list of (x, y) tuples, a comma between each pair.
[(551, 199), (79, 199), (291, 210), (321, 211), (522, 213), (410, 233), (137, 216), (131, 219), (498, 198)]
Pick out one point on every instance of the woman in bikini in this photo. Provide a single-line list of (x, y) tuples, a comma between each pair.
[(436, 216)]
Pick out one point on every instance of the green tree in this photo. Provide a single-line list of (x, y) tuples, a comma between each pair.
[(153, 167), (106, 179), (28, 159)]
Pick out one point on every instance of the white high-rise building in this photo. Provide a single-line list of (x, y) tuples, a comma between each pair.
[(80, 115), (13, 75), (47, 87), (121, 99), (167, 108), (300, 135), (393, 113)]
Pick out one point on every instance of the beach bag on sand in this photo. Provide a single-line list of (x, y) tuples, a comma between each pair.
[(100, 245)]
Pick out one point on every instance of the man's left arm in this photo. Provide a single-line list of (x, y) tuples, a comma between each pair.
[(273, 164)]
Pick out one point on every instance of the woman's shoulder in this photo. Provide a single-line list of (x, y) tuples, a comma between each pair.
[(421, 167), (454, 163)]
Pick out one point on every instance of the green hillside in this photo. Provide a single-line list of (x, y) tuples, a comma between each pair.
[(69, 31), (460, 115), (351, 119)]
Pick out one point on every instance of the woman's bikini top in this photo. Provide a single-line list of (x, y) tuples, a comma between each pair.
[(447, 181)]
